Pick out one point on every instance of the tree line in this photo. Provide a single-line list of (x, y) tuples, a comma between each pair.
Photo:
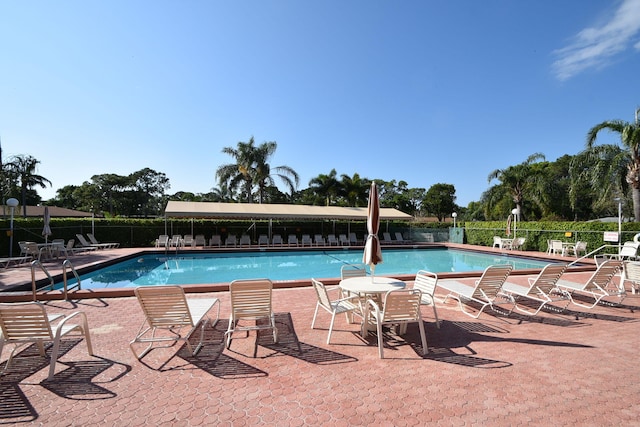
[(584, 186)]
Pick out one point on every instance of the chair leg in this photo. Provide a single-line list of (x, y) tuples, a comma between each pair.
[(333, 317), (380, 343), (435, 314), (313, 322), (423, 337)]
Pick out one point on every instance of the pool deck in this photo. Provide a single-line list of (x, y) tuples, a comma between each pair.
[(573, 367)]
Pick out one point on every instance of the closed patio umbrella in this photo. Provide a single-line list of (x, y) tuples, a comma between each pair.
[(46, 230), (372, 251)]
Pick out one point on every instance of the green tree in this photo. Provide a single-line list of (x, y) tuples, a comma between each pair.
[(264, 173), (23, 168), (630, 140), (519, 180), (354, 190), (326, 187), (440, 200)]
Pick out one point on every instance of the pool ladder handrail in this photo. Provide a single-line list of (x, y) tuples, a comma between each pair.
[(66, 263), (34, 264)]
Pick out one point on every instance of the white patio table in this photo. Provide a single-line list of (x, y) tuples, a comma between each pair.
[(367, 287)]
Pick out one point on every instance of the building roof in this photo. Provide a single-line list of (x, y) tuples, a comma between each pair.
[(54, 211), (179, 209)]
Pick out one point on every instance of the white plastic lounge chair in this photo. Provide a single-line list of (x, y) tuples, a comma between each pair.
[(386, 239), (497, 242), (162, 241), (599, 285), (166, 307), (426, 282), (557, 248), (276, 240), (231, 240), (353, 270), (215, 241), (245, 240), (86, 244), (399, 239), (188, 241), (628, 251), (577, 249), (306, 240), (319, 240), (400, 307), (331, 240), (631, 274), (95, 241), (200, 240), (71, 248), (263, 240), (517, 243), (485, 292), (541, 289), (292, 240), (176, 241), (344, 241), (353, 239), (251, 300), (343, 305), (27, 323)]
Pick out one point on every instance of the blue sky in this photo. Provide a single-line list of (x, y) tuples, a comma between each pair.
[(422, 91)]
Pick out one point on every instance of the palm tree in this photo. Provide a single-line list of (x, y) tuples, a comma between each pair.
[(264, 173), (252, 168), (24, 169), (518, 180), (355, 190), (326, 186), (630, 139)]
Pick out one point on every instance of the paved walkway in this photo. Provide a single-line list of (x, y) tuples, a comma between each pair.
[(578, 367)]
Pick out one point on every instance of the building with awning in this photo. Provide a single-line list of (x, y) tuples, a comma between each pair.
[(219, 210)]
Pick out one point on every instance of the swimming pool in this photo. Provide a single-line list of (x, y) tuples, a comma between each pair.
[(207, 268)]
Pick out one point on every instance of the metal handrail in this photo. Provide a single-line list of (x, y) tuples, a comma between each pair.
[(66, 263), (594, 253), (35, 263)]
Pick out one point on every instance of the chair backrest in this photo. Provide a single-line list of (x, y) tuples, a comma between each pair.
[(200, 240), (547, 279), (604, 274), (581, 247), (492, 280), (331, 238), (556, 245), (629, 249), (24, 322), (306, 239), (82, 240), (292, 239), (32, 249), (518, 242), (343, 238), (245, 239), (164, 306), (399, 237), (215, 240), (386, 237), (188, 239), (402, 305), (352, 238), (321, 292), (497, 240), (632, 271), (426, 282), (93, 239), (231, 240), (263, 239), (276, 239), (175, 239), (70, 244), (353, 270), (319, 239), (163, 239), (251, 298)]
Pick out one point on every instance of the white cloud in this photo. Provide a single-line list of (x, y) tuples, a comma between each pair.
[(594, 47)]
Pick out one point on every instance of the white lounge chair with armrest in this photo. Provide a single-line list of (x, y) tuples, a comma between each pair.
[(167, 308), (386, 239), (628, 251), (86, 244), (426, 282), (200, 240), (345, 305), (631, 274), (93, 240), (27, 323), (600, 285), (486, 291), (400, 307), (306, 240), (541, 289), (343, 240), (251, 301), (292, 240), (215, 241), (353, 239), (162, 241), (401, 240), (331, 240), (231, 240), (188, 241)]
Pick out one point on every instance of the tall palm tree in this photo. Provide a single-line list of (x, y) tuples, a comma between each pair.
[(264, 173), (24, 169), (630, 139), (252, 169), (326, 186), (355, 190), (518, 180)]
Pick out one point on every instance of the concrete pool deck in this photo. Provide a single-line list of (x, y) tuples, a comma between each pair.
[(576, 367)]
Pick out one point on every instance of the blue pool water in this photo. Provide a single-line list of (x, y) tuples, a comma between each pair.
[(202, 268)]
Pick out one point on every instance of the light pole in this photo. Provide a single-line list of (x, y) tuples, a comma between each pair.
[(515, 213), (454, 216), (619, 200), (12, 203)]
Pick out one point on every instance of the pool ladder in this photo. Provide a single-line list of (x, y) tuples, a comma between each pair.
[(66, 264)]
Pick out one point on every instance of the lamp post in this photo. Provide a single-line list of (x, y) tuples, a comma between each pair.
[(12, 203), (619, 200), (515, 213), (454, 216)]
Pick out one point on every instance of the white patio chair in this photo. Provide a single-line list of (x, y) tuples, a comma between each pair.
[(400, 307), (27, 323), (343, 305), (426, 282), (600, 285), (542, 289)]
